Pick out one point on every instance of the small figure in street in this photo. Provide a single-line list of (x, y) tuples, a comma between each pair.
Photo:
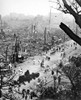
[(59, 80), (42, 63), (15, 64), (23, 93), (10, 65), (28, 97), (20, 71)]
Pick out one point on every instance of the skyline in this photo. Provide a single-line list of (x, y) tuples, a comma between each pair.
[(26, 7)]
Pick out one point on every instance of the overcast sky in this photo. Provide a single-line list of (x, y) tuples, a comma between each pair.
[(27, 7)]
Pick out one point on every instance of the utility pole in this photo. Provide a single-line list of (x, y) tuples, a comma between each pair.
[(45, 35), (6, 52), (50, 20), (0, 22), (0, 83), (16, 48), (0, 66), (31, 35), (34, 27), (1, 28)]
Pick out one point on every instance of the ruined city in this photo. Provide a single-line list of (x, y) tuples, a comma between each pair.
[(40, 50)]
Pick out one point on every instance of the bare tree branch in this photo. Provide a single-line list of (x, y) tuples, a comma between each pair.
[(76, 16), (70, 33), (69, 8), (79, 2)]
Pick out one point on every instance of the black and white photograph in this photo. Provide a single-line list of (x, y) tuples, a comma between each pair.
[(40, 49)]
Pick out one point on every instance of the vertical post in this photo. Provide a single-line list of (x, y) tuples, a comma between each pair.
[(54, 78), (0, 82), (50, 20), (16, 49), (0, 22), (34, 31), (45, 81), (52, 40), (6, 53), (45, 36), (31, 35)]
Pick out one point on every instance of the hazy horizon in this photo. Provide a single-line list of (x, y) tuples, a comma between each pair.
[(26, 7)]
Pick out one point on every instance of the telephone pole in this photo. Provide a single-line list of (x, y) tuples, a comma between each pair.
[(50, 20), (45, 35), (0, 22)]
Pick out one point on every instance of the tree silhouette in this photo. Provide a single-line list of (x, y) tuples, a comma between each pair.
[(73, 72), (74, 8)]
